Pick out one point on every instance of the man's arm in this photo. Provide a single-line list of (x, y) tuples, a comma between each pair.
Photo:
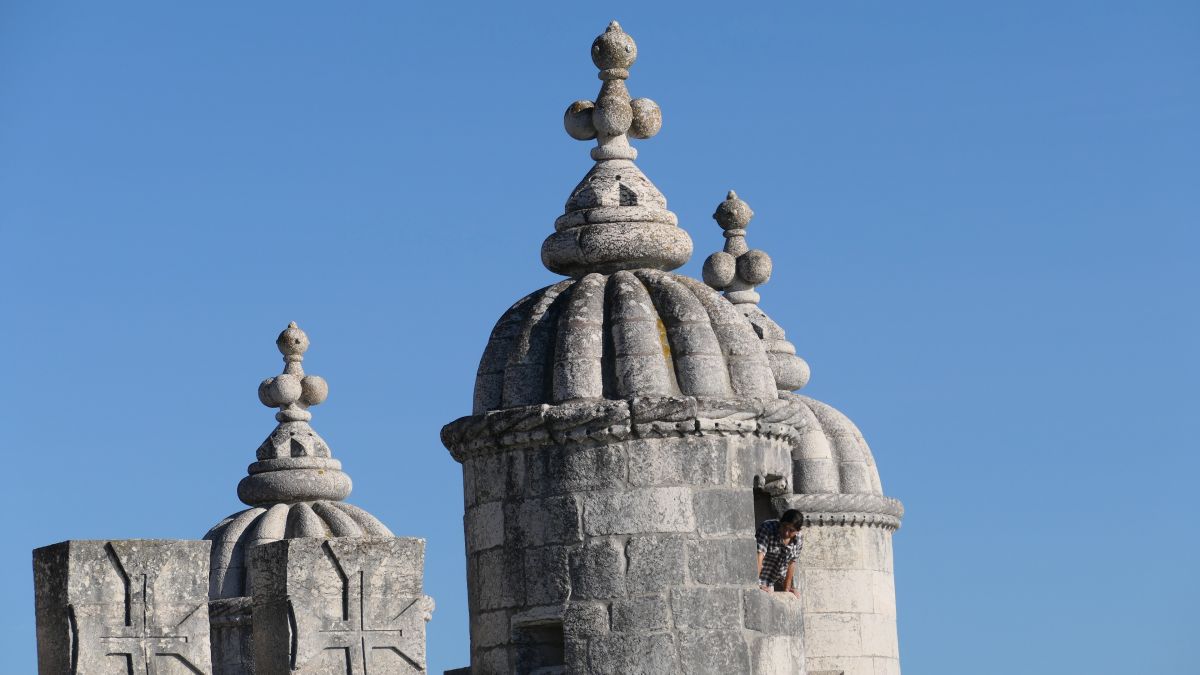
[(789, 580)]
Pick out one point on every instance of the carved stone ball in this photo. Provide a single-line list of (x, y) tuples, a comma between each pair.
[(719, 270), (264, 392), (283, 390), (612, 117), (578, 120), (733, 213), (292, 341), (754, 266), (314, 389), (647, 118), (614, 49)]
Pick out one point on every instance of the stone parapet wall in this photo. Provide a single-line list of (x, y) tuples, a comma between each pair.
[(131, 605)]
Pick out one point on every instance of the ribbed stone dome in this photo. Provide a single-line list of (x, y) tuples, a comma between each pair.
[(835, 456), (233, 537), (632, 333), (836, 479)]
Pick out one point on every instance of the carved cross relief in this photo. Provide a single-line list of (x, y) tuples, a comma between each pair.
[(143, 641), (352, 630)]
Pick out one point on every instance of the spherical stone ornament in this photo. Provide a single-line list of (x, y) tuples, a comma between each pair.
[(754, 267), (647, 118), (264, 392), (578, 120), (733, 213), (284, 390), (719, 270), (314, 390), (292, 341), (614, 49), (612, 117)]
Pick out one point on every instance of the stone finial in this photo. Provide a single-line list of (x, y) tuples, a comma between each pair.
[(615, 219), (293, 391), (613, 116), (738, 271), (295, 464)]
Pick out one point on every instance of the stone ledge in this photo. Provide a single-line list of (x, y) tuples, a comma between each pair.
[(606, 421), (846, 509)]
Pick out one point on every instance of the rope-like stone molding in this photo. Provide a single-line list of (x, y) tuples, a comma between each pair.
[(846, 509), (607, 421)]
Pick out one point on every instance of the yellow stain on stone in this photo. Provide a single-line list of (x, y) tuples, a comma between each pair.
[(662, 337)]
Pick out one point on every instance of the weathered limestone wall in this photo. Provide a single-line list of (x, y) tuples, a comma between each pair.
[(849, 599), (122, 606), (631, 556), (339, 606)]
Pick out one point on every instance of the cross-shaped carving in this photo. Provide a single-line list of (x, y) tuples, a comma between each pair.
[(139, 639), (354, 633)]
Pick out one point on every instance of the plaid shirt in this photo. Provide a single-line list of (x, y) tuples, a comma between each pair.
[(776, 554)]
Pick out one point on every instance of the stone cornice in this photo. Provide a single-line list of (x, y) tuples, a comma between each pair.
[(846, 509), (607, 421)]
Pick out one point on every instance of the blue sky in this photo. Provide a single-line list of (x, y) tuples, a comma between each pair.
[(983, 218)]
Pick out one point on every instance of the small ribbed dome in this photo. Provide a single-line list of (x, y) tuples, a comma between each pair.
[(834, 456), (616, 336), (233, 537)]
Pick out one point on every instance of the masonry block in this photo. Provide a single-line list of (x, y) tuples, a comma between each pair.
[(337, 606), (645, 614), (548, 575), (484, 526), (707, 608), (563, 469), (638, 511), (724, 512), (712, 651), (625, 654), (122, 606), (773, 613), (723, 561), (536, 522), (497, 578), (598, 570), (655, 563)]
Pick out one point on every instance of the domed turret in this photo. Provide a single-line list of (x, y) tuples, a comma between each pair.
[(850, 615), (296, 487), (626, 421)]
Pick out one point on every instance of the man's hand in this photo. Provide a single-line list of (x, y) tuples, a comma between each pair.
[(794, 592), (766, 589)]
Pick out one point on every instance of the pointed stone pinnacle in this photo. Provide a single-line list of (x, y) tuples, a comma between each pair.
[(294, 462), (615, 219)]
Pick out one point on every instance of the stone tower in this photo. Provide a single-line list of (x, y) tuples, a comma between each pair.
[(627, 427), (846, 561), (299, 583)]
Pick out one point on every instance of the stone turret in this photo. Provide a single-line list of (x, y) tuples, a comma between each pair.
[(623, 419), (296, 487), (846, 561), (299, 583)]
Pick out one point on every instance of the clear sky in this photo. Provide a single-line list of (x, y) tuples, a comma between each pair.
[(983, 218)]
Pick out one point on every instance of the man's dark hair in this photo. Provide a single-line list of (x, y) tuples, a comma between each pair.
[(792, 517)]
